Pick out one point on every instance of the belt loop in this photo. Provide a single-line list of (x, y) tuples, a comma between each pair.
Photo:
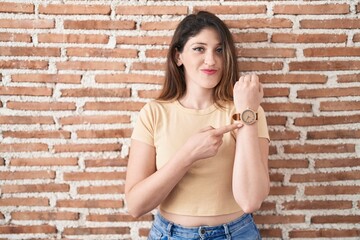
[(227, 232), (168, 228)]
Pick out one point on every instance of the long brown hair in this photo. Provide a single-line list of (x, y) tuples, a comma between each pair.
[(174, 85)]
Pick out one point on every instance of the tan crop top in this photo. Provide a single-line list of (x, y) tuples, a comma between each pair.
[(206, 188)]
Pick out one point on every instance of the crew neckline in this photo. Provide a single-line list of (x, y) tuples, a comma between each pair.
[(204, 111)]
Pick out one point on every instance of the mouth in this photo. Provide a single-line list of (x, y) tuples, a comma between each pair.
[(209, 71)]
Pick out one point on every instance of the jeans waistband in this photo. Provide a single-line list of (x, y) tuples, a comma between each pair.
[(203, 231)]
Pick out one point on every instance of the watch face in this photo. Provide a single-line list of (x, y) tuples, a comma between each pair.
[(248, 116)]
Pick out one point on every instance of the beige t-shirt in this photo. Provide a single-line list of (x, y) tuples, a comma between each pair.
[(206, 189)]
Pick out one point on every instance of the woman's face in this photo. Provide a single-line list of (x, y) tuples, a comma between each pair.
[(202, 59)]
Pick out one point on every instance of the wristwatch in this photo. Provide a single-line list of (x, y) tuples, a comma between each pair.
[(248, 116)]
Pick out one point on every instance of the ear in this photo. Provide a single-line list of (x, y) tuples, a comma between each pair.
[(178, 58)]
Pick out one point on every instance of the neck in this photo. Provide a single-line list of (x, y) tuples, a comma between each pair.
[(197, 101)]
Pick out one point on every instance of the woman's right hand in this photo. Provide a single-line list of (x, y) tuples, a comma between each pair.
[(206, 143)]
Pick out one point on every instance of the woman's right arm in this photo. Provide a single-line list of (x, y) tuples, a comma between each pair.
[(146, 187)]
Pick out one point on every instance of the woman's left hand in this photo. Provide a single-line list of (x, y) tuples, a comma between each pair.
[(248, 93)]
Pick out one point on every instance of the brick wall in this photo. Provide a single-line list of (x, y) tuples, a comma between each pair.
[(73, 76)]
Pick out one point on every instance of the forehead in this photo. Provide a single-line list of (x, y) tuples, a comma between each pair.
[(208, 36)]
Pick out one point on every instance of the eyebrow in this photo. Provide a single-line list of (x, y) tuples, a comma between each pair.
[(201, 43)]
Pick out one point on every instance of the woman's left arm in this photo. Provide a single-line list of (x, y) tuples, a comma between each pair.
[(250, 181)]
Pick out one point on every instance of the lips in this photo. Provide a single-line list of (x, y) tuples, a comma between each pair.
[(209, 71)]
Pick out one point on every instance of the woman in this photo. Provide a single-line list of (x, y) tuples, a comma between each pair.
[(199, 152)]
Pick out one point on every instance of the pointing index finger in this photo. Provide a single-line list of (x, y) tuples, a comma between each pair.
[(227, 128)]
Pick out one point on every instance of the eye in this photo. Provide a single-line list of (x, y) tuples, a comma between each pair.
[(198, 49), (219, 50)]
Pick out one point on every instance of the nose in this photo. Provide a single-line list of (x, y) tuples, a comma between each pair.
[(209, 58)]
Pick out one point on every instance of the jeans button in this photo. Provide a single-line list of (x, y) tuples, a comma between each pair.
[(202, 231)]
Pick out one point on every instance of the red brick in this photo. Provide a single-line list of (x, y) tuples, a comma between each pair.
[(337, 162), (8, 7), (44, 216), (89, 203), (356, 37), (60, 148), (94, 119), (156, 53), (260, 23), (277, 191), (276, 120), (321, 148), (151, 66), (325, 177), (332, 190), (119, 189), (97, 231), (27, 175), (289, 163), (333, 134), (26, 120), (287, 107), (348, 78), (93, 65), (27, 23), (293, 78), (95, 92), (18, 229), (151, 10), (143, 40), (260, 66), (324, 233), (277, 177), (30, 51), (149, 93), (93, 176), (20, 64), (308, 38), (28, 201), (266, 52), (320, 9), (104, 53), (55, 161), (335, 219), (118, 218), (284, 135), (276, 219), (15, 37), (267, 206), (37, 134), (42, 106), (31, 188), (324, 65), (114, 162), (72, 38), (29, 91), (109, 133), (326, 120), (158, 25), (99, 24), (250, 37), (317, 205), (119, 106), (129, 78), (70, 9), (271, 233), (332, 52), (330, 24), (340, 106), (232, 9), (328, 92), (23, 147), (47, 78)]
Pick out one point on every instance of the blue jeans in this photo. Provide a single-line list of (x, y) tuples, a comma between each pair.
[(241, 228)]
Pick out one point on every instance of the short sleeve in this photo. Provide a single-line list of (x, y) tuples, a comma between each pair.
[(262, 124), (144, 127)]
